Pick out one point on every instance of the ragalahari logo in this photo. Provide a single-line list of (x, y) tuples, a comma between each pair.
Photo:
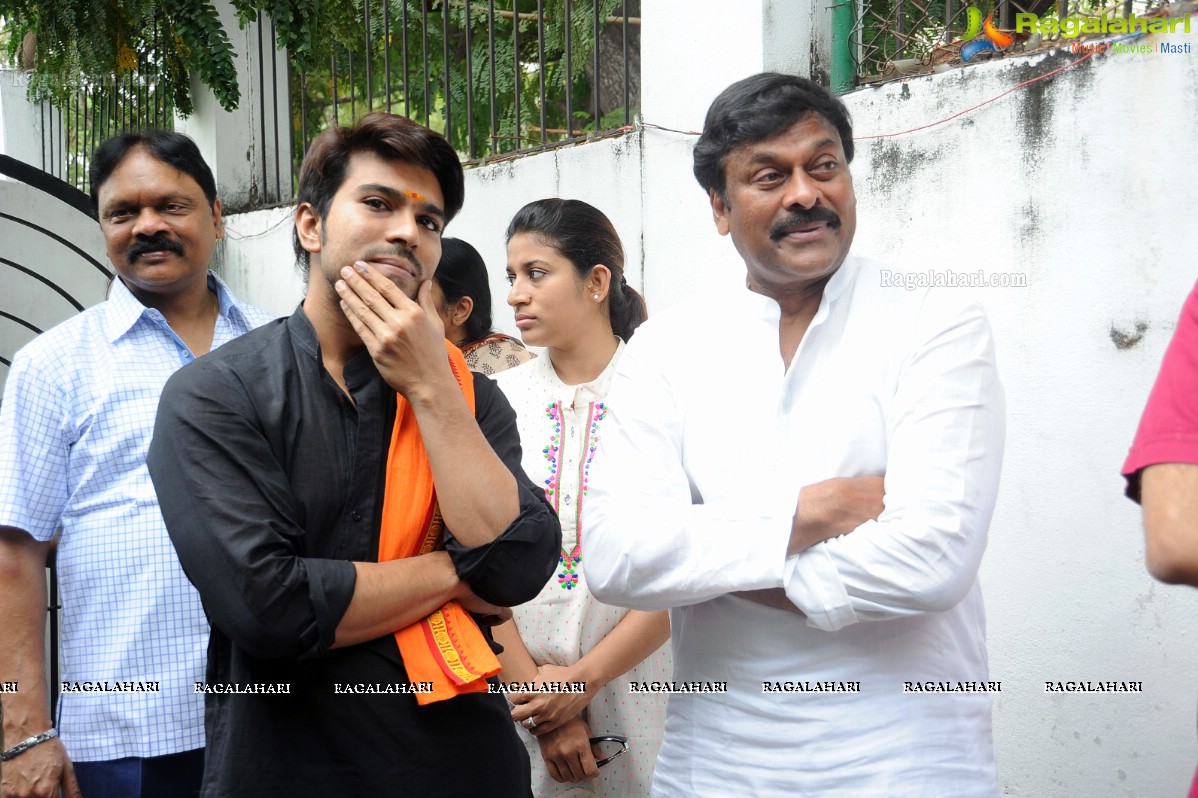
[(983, 38)]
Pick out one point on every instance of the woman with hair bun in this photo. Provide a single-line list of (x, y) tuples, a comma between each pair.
[(566, 269), (463, 298)]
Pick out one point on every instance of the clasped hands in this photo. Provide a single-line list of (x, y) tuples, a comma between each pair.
[(550, 710), (564, 737)]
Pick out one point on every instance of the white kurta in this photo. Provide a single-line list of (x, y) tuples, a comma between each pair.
[(559, 427), (712, 440)]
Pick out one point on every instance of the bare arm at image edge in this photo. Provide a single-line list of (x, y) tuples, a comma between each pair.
[(43, 769), (1169, 494)]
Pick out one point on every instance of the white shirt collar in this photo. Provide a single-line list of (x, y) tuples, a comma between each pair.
[(578, 395), (767, 308), (124, 309)]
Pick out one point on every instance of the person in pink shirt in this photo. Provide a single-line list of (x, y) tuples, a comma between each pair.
[(1162, 467)]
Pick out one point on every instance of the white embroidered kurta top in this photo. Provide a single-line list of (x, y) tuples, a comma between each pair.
[(559, 427)]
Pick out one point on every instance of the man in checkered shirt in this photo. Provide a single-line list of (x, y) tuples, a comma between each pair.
[(75, 425)]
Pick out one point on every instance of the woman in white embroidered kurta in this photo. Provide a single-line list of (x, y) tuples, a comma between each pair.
[(565, 264)]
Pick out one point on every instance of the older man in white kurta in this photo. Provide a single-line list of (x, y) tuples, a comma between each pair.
[(872, 679)]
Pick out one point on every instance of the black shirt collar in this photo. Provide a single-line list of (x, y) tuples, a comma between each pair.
[(359, 371)]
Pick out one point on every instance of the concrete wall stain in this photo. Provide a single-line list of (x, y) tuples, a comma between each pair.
[(819, 70), (493, 173), (1037, 101), (895, 166), (1081, 77), (1029, 221), (1127, 340), (1035, 114), (623, 145)]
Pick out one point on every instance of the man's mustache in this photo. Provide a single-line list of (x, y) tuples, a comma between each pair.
[(400, 252), (797, 219), (154, 244)]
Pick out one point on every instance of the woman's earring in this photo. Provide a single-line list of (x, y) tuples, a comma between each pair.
[(596, 297)]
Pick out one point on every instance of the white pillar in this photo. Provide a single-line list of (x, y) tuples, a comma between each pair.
[(22, 122), (240, 146), (690, 51), (797, 38)]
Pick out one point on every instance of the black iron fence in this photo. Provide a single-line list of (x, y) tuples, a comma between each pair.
[(75, 126), (496, 78)]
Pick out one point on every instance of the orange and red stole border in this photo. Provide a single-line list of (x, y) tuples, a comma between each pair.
[(447, 648)]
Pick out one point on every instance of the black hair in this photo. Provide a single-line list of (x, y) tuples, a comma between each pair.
[(758, 108), (586, 238), (460, 273), (392, 137), (173, 149)]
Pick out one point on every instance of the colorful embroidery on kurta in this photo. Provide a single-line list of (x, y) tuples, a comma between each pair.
[(596, 412)]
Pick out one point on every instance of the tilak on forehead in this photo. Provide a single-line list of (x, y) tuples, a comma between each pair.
[(415, 195)]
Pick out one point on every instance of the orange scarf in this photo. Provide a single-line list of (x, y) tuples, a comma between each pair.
[(446, 648)]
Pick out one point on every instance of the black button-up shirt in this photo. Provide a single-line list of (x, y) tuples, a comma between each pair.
[(271, 483)]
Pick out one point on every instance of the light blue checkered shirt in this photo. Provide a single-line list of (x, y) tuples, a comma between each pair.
[(75, 426)]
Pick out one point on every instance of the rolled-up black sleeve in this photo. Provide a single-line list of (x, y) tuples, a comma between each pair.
[(231, 514), (514, 567)]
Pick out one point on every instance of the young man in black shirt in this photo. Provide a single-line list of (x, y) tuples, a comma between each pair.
[(270, 459)]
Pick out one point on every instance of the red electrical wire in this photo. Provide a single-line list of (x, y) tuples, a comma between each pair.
[(1036, 79), (1045, 76)]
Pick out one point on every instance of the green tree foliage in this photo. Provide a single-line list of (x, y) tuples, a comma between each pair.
[(80, 43)]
